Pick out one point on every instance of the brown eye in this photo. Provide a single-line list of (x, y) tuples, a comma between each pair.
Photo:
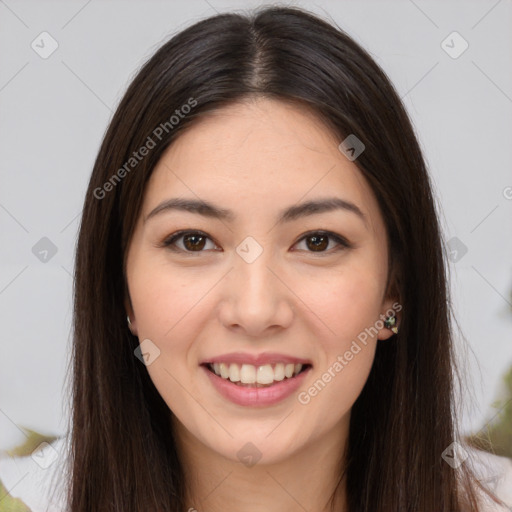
[(191, 241), (318, 242), (194, 242)]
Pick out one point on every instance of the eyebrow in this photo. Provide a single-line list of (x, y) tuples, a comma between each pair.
[(289, 214)]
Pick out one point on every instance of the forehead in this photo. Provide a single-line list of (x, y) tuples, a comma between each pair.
[(259, 155)]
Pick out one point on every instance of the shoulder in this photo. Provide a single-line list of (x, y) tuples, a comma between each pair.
[(495, 473), (35, 483)]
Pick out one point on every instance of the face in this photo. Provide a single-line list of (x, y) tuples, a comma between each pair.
[(257, 283)]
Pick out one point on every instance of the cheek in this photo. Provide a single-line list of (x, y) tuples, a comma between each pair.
[(348, 302), (349, 306), (163, 298), (172, 308), (170, 313)]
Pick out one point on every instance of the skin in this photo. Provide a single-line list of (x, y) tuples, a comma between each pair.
[(256, 158)]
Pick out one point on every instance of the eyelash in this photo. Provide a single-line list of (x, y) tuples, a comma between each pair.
[(169, 241)]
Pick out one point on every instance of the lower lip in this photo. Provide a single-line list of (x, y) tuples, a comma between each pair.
[(241, 395)]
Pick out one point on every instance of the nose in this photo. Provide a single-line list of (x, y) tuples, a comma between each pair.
[(256, 300)]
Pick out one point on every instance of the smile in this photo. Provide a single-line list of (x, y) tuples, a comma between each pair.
[(251, 385), (249, 375)]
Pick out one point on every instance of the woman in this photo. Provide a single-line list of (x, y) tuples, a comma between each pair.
[(261, 313)]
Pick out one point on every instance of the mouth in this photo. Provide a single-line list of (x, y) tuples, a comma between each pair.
[(252, 376)]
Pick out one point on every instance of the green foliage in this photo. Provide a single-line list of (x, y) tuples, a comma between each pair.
[(496, 435), (7, 502), (10, 504), (34, 439)]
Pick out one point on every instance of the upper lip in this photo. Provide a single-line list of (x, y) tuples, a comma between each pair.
[(256, 359)]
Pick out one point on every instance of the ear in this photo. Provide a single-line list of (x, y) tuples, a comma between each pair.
[(132, 325), (391, 303), (389, 307)]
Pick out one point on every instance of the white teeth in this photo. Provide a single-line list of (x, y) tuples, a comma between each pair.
[(224, 371), (247, 374), (265, 374), (288, 370), (279, 371), (250, 374), (234, 373)]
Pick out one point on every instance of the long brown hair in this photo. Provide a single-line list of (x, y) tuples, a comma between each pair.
[(123, 456)]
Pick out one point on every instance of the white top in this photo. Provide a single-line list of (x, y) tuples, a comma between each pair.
[(33, 478)]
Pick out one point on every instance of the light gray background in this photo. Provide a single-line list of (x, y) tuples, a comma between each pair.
[(54, 111)]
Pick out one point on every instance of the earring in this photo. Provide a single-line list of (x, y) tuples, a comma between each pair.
[(129, 324), (390, 323)]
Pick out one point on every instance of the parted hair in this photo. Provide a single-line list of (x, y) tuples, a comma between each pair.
[(123, 455)]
